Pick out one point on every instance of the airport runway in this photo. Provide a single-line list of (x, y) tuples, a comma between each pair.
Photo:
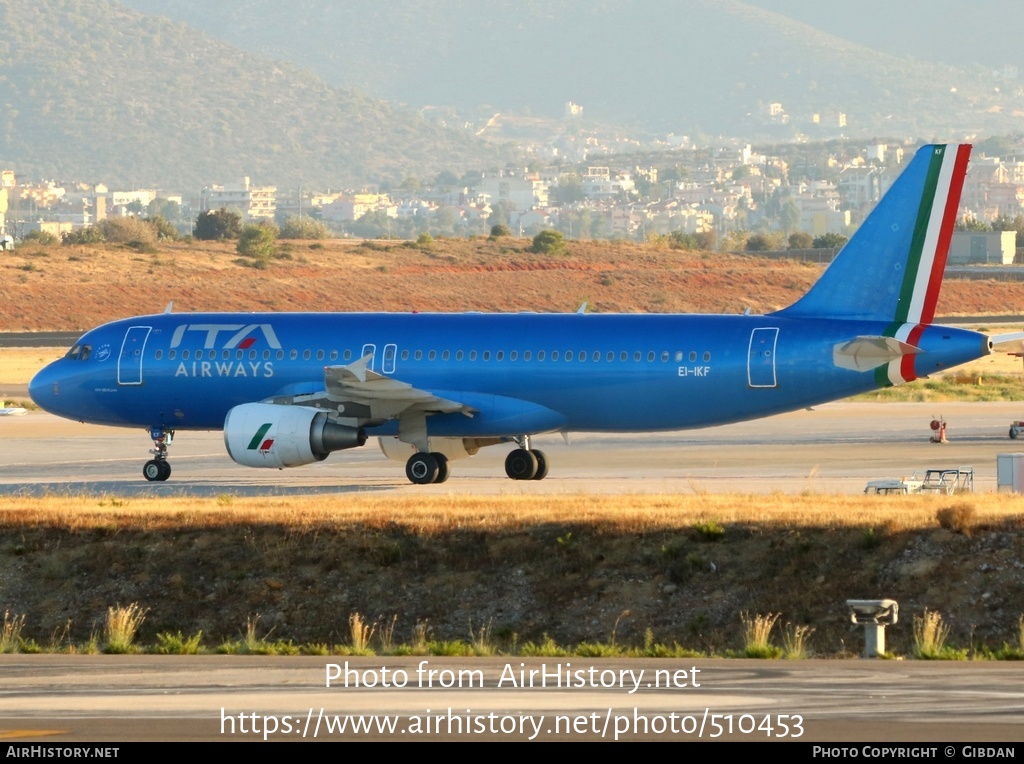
[(56, 699), (836, 447)]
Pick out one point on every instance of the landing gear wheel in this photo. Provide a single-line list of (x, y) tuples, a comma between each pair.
[(542, 465), (444, 469), (422, 468), (156, 470), (521, 464), (1014, 432)]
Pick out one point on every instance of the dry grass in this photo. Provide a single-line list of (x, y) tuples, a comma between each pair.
[(360, 632), (10, 633), (959, 518), (121, 627), (429, 515), (794, 641), (757, 632), (930, 635)]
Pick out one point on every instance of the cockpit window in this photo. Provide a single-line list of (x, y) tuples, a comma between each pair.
[(79, 352)]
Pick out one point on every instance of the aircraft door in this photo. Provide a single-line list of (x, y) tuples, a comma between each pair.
[(761, 357), (129, 363), (369, 350), (388, 365)]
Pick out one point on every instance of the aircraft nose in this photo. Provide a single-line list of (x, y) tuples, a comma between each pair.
[(44, 387)]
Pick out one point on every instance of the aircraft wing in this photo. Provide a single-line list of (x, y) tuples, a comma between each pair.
[(361, 390)]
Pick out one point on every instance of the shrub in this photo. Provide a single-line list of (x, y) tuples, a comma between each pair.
[(757, 636), (258, 241), (800, 240), (43, 237), (127, 231), (958, 518), (218, 224), (549, 242), (499, 230)]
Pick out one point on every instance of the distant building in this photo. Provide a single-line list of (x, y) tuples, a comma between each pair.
[(992, 247), (253, 202)]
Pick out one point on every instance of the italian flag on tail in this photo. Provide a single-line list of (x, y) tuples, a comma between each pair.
[(930, 246)]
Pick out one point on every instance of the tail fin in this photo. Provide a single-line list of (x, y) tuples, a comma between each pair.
[(891, 269)]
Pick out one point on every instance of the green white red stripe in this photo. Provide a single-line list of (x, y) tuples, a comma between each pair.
[(922, 278)]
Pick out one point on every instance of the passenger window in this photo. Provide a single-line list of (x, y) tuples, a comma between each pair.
[(568, 356), (158, 354), (319, 355), (597, 356), (679, 356), (582, 356), (252, 355), (432, 355), (650, 356), (405, 355), (305, 355), (707, 355), (664, 356), (184, 355), (636, 356), (445, 355), (513, 355), (293, 355), (554, 355), (472, 355), (487, 355), (171, 354), (418, 355), (623, 356), (540, 355), (693, 356), (348, 355), (526, 355), (280, 355), (500, 355), (459, 355)]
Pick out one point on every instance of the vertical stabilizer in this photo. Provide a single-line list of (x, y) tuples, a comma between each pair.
[(891, 269)]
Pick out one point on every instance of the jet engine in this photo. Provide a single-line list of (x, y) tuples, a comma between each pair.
[(270, 435)]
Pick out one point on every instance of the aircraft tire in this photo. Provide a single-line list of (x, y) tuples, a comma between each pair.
[(422, 468), (1014, 432), (542, 465), (521, 464), (165, 470), (444, 469), (152, 470)]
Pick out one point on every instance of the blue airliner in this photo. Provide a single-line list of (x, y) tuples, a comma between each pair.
[(289, 388)]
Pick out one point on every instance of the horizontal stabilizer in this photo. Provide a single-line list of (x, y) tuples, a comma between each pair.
[(867, 353), (1012, 342)]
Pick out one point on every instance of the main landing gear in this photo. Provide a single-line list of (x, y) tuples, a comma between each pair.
[(424, 468), (158, 468), (526, 463)]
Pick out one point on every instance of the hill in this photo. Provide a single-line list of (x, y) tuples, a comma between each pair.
[(77, 287), (93, 91), (706, 65)]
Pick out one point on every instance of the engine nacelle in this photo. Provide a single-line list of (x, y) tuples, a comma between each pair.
[(269, 435)]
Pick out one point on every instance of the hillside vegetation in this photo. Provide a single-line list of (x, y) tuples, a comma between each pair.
[(94, 92), (77, 287)]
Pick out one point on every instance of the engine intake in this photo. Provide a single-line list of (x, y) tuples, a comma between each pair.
[(269, 435)]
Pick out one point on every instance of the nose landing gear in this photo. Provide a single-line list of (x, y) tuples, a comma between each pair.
[(158, 468)]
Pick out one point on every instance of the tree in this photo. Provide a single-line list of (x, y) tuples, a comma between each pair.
[(304, 228), (829, 241), (218, 224), (164, 230), (800, 240), (549, 242), (499, 230), (258, 241)]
